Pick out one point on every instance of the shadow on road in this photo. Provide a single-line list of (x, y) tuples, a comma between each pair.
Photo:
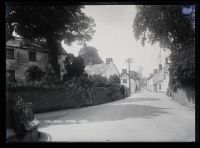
[(111, 112), (130, 100)]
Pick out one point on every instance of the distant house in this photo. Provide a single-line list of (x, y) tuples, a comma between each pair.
[(22, 54), (159, 80), (124, 80), (149, 83), (105, 69)]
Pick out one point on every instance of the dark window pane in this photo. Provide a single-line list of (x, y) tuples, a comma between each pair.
[(32, 56), (10, 54)]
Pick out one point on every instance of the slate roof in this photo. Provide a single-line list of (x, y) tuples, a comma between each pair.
[(18, 42), (26, 44)]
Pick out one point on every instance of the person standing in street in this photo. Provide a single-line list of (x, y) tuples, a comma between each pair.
[(122, 90)]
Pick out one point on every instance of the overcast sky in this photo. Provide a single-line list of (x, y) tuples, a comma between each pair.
[(114, 38)]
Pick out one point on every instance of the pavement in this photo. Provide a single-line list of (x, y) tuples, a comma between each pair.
[(142, 117)]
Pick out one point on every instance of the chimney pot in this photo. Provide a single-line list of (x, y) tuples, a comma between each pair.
[(108, 60), (155, 71)]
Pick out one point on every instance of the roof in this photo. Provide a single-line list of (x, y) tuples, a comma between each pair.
[(27, 44), (102, 69), (158, 77)]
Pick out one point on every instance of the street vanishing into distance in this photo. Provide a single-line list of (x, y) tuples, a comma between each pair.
[(142, 117)]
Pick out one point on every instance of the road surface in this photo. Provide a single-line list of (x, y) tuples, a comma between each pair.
[(142, 117)]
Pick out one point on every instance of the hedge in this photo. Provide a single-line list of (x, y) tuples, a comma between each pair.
[(51, 99)]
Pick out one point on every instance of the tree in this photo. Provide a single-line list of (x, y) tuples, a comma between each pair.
[(90, 55), (52, 23), (172, 29), (74, 67)]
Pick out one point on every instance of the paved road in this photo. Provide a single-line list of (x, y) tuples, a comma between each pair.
[(145, 116)]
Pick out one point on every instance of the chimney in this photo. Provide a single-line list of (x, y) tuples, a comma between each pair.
[(160, 67), (155, 71), (108, 60), (124, 70)]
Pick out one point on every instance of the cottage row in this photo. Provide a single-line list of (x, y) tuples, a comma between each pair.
[(158, 81)]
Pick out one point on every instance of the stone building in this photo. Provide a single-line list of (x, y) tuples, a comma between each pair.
[(22, 54)]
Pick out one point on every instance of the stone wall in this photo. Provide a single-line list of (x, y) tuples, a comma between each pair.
[(184, 96)]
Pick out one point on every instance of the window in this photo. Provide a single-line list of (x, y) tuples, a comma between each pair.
[(11, 75), (32, 56), (159, 86), (10, 54), (124, 81), (167, 60)]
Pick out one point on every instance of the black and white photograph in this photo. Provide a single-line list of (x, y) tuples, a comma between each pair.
[(99, 72)]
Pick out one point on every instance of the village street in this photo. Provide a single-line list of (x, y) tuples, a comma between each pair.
[(144, 116)]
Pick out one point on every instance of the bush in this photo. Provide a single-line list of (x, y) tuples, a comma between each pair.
[(34, 73), (99, 81), (114, 79)]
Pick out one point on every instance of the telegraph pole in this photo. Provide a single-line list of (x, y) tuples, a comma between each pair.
[(129, 61)]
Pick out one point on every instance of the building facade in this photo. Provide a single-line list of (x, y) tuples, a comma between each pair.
[(124, 80), (22, 54), (159, 80)]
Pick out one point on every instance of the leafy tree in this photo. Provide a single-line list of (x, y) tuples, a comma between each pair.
[(174, 30), (52, 23), (74, 67), (114, 79), (90, 55)]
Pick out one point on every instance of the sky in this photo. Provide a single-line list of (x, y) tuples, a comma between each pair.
[(114, 38)]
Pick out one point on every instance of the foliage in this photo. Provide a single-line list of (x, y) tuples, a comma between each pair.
[(114, 79), (90, 55), (74, 66), (9, 31), (52, 23), (173, 30), (99, 81), (34, 73)]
